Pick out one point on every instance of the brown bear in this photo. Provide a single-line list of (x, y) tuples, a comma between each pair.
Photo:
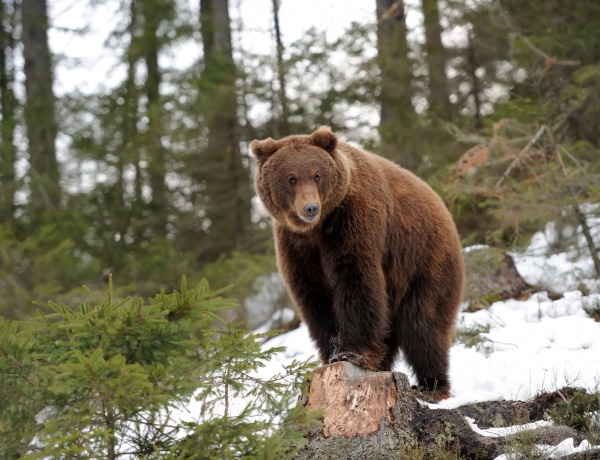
[(368, 251)]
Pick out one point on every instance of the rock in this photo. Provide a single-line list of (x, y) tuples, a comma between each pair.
[(491, 276)]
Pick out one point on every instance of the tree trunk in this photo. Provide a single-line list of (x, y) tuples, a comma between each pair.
[(8, 155), (398, 118), (130, 129), (153, 13), (435, 57), (44, 176), (220, 168), (130, 151), (281, 116), (127, 152), (377, 415), (475, 83)]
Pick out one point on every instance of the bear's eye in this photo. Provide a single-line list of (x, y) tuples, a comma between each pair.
[(292, 180), (317, 178)]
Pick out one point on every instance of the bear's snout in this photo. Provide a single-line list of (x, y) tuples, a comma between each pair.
[(311, 211), (307, 205)]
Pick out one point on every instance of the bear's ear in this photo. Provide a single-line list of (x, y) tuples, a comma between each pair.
[(263, 149), (324, 138)]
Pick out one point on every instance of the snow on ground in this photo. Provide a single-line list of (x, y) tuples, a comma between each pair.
[(532, 346), (529, 346)]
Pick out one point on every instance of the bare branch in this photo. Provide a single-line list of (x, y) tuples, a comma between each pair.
[(549, 61), (521, 154)]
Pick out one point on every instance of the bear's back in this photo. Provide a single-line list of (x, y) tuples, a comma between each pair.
[(410, 193), (420, 229)]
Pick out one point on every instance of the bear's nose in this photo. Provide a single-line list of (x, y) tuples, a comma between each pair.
[(311, 209)]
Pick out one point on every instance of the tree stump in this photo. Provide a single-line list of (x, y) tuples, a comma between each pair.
[(357, 401), (377, 415)]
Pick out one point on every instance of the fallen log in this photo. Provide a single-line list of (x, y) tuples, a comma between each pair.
[(370, 415)]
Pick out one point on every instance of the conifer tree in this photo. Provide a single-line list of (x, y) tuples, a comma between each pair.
[(116, 378)]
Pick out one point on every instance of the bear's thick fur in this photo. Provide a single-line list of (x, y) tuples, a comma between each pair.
[(368, 251)]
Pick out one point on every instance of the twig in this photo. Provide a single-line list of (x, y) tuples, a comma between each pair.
[(462, 136), (573, 159), (548, 60), (562, 396), (521, 154), (390, 11), (585, 229)]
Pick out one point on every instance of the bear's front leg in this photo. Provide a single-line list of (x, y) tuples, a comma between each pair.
[(361, 310), (301, 269), (314, 303)]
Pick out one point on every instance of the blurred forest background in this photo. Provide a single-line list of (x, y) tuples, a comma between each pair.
[(496, 103)]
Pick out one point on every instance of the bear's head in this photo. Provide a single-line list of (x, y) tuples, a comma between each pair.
[(301, 178)]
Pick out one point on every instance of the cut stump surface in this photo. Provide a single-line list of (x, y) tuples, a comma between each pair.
[(356, 401)]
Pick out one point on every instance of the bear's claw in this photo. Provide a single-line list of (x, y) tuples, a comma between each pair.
[(354, 358), (434, 395)]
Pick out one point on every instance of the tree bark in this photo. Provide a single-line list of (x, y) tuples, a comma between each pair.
[(221, 167), (8, 154), (397, 116), (130, 117), (281, 116), (44, 175), (152, 13), (377, 415), (435, 57), (475, 83)]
